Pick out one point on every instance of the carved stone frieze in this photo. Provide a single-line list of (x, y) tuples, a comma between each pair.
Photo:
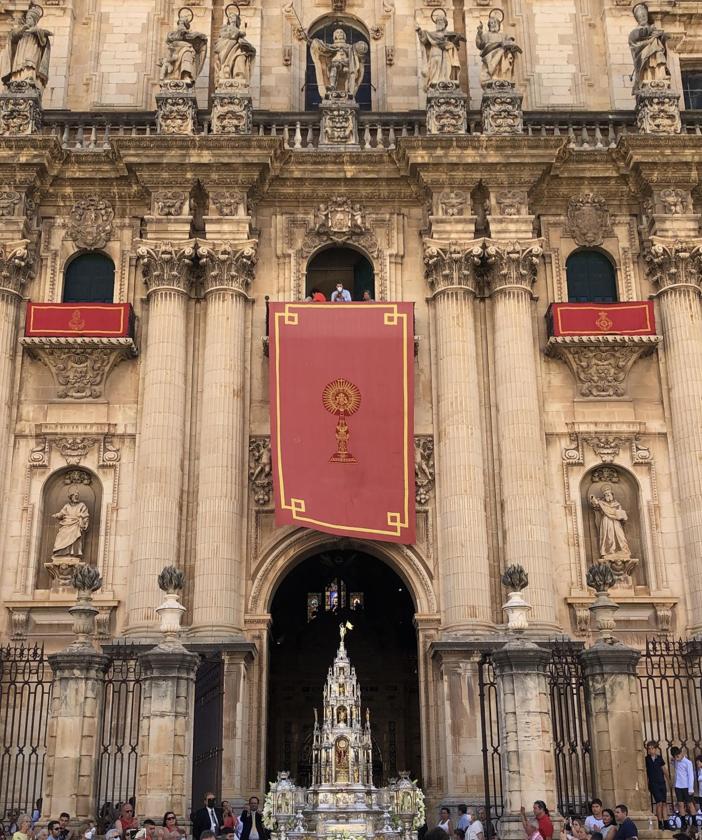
[(20, 109), (501, 108), (10, 200), (339, 124), (340, 220), (228, 265), (80, 366), (675, 202), (176, 108), (446, 109), (600, 364), (454, 203), (170, 203), (674, 263), (424, 475), (606, 447), (166, 265), (588, 219), (513, 264), (658, 109), (229, 203), (511, 202), (452, 264), (260, 473), (16, 265), (73, 447), (232, 113), (90, 222)]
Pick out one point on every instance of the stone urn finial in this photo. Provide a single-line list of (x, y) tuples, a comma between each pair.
[(171, 582), (600, 577), (515, 579), (85, 580)]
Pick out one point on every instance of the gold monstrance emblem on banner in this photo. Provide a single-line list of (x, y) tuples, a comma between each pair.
[(343, 398)]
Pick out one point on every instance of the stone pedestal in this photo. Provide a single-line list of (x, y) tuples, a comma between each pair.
[(176, 108), (339, 126), (232, 111), (166, 731), (20, 109), (526, 732), (447, 111), (615, 720), (658, 109), (501, 108), (75, 724)]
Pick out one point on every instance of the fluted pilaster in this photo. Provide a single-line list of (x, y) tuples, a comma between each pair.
[(462, 528), (166, 269), (221, 511), (511, 273), (676, 269)]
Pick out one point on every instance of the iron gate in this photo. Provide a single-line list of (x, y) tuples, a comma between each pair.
[(25, 695), (670, 678), (119, 739), (571, 735), (490, 733)]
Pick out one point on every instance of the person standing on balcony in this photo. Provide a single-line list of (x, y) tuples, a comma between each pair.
[(340, 294)]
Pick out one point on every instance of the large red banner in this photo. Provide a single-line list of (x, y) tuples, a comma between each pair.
[(634, 318), (102, 320), (342, 402)]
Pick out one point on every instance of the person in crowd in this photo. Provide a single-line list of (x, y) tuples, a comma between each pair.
[(207, 835), (53, 829), (626, 827), (594, 821), (459, 834), (317, 296), (575, 829), (367, 298), (543, 818), (475, 827), (488, 828), (66, 830), (36, 813), (251, 821), (445, 820), (463, 818), (170, 830), (147, 831), (340, 294), (531, 828), (609, 828), (86, 831), (24, 828), (657, 776), (684, 783), (229, 818), (207, 818), (126, 822)]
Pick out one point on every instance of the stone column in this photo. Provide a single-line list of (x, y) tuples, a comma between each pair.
[(166, 731), (159, 478), (676, 269), (511, 274), (615, 720), (460, 498), (526, 732), (218, 605), (236, 721)]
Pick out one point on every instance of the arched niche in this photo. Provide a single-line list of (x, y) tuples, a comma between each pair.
[(340, 264), (611, 505), (355, 32), (591, 277), (56, 494), (89, 278)]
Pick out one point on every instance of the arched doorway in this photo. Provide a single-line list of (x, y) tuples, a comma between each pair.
[(344, 265), (311, 602)]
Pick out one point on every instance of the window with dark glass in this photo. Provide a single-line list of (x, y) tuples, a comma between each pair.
[(692, 88), (90, 278), (340, 265), (325, 32), (591, 278)]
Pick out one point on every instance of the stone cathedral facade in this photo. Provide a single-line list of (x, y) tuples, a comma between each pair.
[(543, 217)]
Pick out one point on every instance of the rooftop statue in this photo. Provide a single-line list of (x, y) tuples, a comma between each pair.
[(441, 49), (186, 51), (649, 50), (28, 51), (339, 66), (498, 52), (233, 53)]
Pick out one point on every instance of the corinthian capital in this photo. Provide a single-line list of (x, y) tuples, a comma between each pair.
[(674, 263), (228, 265), (512, 265), (16, 265), (166, 265), (452, 265)]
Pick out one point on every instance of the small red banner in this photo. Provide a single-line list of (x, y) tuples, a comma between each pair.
[(342, 403), (635, 318), (96, 320)]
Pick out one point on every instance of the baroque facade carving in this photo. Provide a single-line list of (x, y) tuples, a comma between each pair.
[(512, 264), (170, 203), (260, 474), (452, 265), (166, 265), (340, 221), (228, 265), (90, 222), (424, 475), (674, 263), (15, 265), (588, 219)]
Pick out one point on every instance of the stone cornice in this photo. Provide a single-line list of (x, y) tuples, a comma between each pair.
[(166, 265), (228, 265), (674, 264)]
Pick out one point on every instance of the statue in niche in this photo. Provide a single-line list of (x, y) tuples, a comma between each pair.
[(28, 51), (342, 716), (73, 520), (341, 762), (611, 515), (233, 53), (441, 48), (498, 52), (648, 49), (338, 66), (186, 51)]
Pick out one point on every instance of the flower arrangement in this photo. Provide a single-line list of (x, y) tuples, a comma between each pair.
[(421, 815), (269, 821), (345, 835)]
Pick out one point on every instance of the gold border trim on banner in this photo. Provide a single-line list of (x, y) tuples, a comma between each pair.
[(397, 522)]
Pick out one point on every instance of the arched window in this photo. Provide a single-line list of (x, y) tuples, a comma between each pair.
[(324, 30), (591, 277), (340, 265), (89, 278)]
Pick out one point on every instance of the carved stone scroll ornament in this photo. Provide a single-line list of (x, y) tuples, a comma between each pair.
[(676, 263), (166, 265), (501, 108), (229, 203), (606, 447), (260, 475), (675, 202), (446, 109), (588, 219), (423, 468), (90, 223), (228, 265), (452, 265), (454, 203), (10, 200), (170, 203), (340, 220), (513, 264), (232, 113), (16, 265), (176, 109)]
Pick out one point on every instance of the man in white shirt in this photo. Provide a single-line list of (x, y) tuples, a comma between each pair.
[(475, 828), (340, 294), (594, 822), (684, 776)]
